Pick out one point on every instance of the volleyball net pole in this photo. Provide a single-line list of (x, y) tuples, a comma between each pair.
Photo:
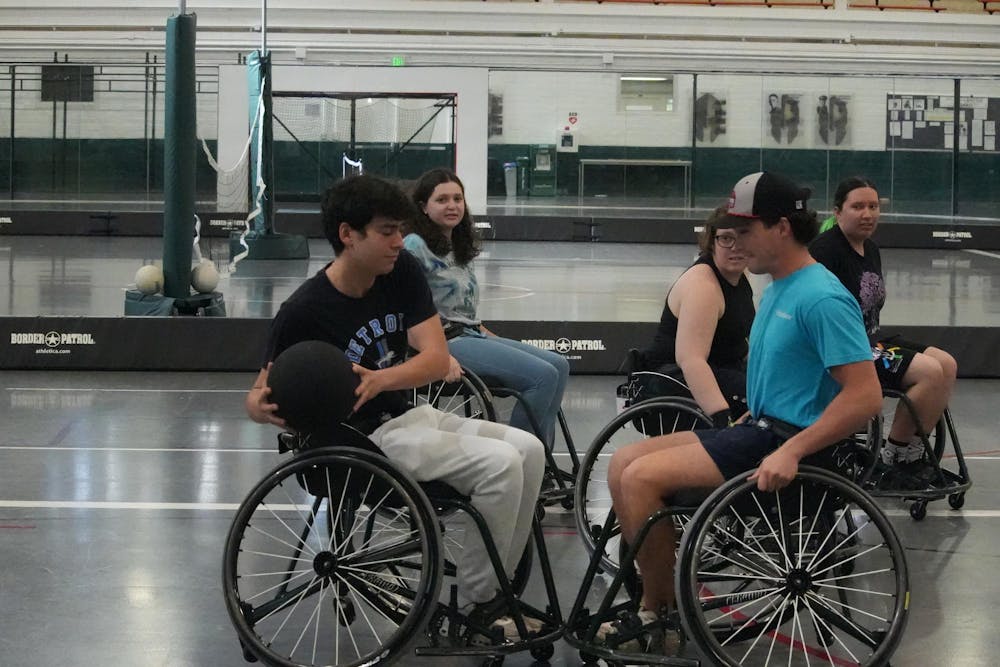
[(260, 240)]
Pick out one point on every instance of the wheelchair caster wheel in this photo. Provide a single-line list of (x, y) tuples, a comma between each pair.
[(956, 501), (543, 653), (493, 661), (918, 510), (567, 503)]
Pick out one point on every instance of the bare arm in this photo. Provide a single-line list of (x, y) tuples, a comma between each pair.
[(859, 400), (430, 363), (258, 401), (699, 306)]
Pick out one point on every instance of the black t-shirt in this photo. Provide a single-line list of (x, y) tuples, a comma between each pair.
[(371, 329), (729, 345), (860, 274)]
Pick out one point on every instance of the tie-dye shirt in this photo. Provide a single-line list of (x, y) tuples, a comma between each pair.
[(454, 288)]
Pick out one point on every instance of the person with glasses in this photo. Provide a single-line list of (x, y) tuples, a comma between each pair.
[(705, 323)]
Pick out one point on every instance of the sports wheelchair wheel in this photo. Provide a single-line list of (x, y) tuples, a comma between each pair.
[(466, 397), (653, 417), (813, 572), (334, 558)]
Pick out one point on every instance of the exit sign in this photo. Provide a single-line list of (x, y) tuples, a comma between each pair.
[(398, 61)]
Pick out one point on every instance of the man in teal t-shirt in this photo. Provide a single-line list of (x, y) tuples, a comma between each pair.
[(810, 382)]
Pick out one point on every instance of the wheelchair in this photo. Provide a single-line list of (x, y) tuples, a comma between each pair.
[(811, 573), (557, 487), (337, 557), (949, 480), (640, 418), (484, 398)]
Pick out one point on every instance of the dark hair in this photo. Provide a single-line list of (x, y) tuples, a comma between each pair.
[(357, 200), (804, 225), (464, 240), (849, 184), (706, 239)]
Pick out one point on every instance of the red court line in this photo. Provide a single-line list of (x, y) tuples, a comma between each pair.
[(788, 641), (15, 526)]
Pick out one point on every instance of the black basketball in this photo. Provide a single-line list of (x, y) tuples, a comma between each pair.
[(313, 385)]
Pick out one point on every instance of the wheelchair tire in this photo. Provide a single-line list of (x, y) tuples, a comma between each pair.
[(333, 558), (466, 397), (592, 502), (815, 568)]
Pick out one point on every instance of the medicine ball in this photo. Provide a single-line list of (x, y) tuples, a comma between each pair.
[(313, 385)]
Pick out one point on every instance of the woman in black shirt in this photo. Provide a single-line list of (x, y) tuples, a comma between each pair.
[(927, 374), (705, 323)]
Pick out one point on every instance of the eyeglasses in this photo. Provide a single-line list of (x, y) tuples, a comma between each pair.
[(725, 240)]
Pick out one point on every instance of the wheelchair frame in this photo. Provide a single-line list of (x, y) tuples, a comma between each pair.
[(945, 483), (340, 571), (797, 583), (561, 481)]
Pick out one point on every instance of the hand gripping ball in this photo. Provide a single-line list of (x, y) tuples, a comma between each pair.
[(313, 385)]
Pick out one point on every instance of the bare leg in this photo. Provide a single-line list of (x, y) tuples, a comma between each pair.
[(928, 389), (644, 484), (622, 458)]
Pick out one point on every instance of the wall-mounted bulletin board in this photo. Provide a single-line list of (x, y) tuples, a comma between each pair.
[(926, 122)]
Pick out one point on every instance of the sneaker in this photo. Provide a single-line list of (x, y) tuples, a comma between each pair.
[(484, 614), (531, 624), (914, 451), (892, 453), (644, 627)]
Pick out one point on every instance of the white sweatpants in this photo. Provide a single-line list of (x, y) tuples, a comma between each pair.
[(499, 467)]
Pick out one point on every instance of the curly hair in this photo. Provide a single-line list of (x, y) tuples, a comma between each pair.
[(357, 200), (464, 240)]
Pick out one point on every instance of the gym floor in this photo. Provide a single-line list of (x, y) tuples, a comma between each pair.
[(117, 489)]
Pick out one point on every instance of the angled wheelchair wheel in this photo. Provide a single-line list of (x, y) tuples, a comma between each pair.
[(466, 397), (334, 558), (656, 416), (811, 574)]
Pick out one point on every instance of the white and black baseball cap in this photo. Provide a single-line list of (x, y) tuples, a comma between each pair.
[(763, 195)]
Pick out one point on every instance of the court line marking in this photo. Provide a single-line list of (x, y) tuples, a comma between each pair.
[(270, 450), (133, 391), (984, 253), (228, 507)]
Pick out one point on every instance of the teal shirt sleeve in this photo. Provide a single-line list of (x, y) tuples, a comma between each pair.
[(835, 323)]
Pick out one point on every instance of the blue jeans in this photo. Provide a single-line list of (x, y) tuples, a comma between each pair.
[(538, 375)]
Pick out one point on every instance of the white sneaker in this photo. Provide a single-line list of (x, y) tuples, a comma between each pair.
[(608, 629), (892, 453), (914, 450), (532, 625)]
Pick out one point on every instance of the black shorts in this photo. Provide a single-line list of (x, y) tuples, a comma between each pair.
[(739, 448), (892, 357)]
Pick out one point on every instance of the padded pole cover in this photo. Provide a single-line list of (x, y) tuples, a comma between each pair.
[(261, 143), (179, 151)]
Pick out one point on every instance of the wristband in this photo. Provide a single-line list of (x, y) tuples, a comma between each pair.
[(721, 419)]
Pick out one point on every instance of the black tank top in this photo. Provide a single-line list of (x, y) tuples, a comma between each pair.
[(729, 345)]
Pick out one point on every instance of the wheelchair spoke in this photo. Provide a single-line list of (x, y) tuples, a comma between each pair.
[(817, 621), (302, 545), (338, 511)]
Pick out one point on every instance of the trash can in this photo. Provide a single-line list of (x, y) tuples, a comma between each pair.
[(510, 178)]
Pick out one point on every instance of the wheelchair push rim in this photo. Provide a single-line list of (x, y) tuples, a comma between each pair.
[(812, 574), (334, 559)]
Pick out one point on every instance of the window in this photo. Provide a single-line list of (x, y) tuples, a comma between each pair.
[(645, 93)]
